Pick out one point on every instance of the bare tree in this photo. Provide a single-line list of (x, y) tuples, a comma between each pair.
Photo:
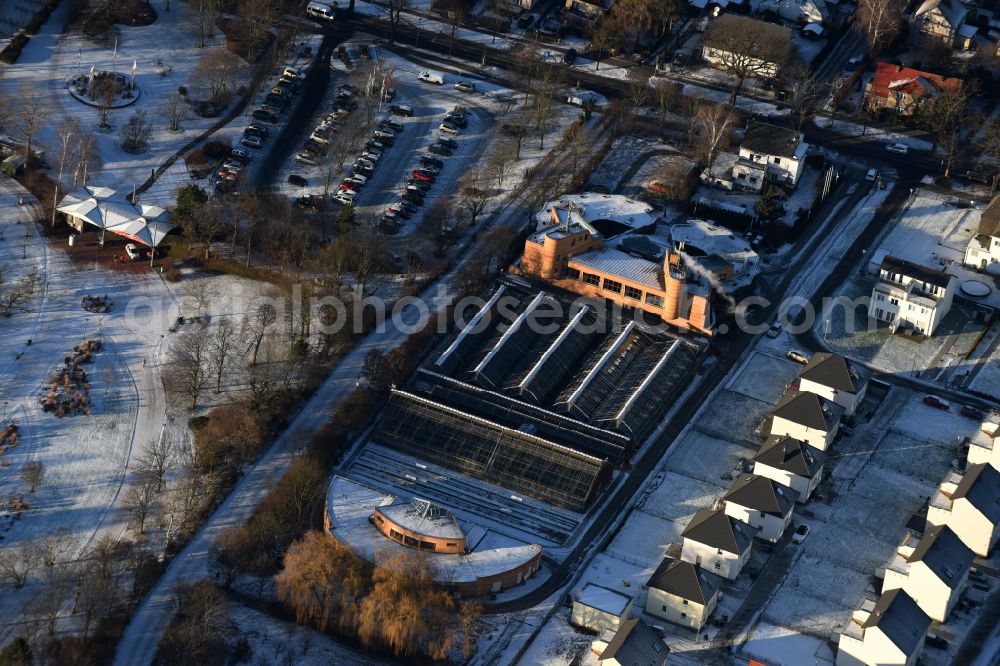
[(395, 13), (440, 219), (880, 21), (85, 156), (66, 134), (155, 461), (17, 563), (53, 546), (26, 115), (714, 123), (256, 326), (746, 53), (473, 193), (174, 111), (989, 143), (206, 11), (140, 498), (606, 35), (136, 133), (223, 343), (104, 91), (215, 71), (667, 95), (502, 161), (367, 249), (33, 473), (804, 101), (189, 375)]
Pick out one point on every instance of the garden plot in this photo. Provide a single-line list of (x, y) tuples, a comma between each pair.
[(764, 377), (616, 574), (987, 381), (643, 539), (558, 643), (680, 497), (925, 423), (706, 458), (806, 607), (919, 458), (619, 162), (781, 647), (736, 416)]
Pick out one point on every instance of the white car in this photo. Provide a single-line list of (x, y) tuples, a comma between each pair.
[(368, 164), (133, 252), (305, 158), (898, 148), (774, 330), (347, 201), (431, 77), (251, 141), (371, 155), (449, 128), (800, 534)]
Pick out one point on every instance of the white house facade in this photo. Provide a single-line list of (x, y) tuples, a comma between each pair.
[(911, 296), (599, 608), (682, 593), (761, 503), (983, 249), (807, 417), (833, 377), (970, 506), (889, 632), (718, 543), (933, 571), (792, 463), (769, 154), (984, 447)]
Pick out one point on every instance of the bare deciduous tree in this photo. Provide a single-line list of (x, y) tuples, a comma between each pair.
[(174, 111), (215, 71), (17, 563), (189, 373), (206, 11), (136, 133), (223, 345), (26, 114), (256, 327), (155, 461), (33, 473), (880, 21), (473, 193), (140, 499), (746, 53), (714, 123), (502, 161)]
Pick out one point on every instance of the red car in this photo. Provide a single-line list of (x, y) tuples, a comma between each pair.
[(420, 175), (936, 402), (400, 212), (970, 412), (349, 187)]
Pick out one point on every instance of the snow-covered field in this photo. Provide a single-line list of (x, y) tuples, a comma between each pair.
[(885, 135)]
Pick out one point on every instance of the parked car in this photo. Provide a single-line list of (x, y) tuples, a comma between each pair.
[(401, 110), (375, 145), (396, 209), (526, 21), (570, 56), (348, 187), (242, 154), (456, 119), (427, 160), (465, 86), (368, 164), (393, 125), (800, 534), (797, 356), (417, 184), (257, 127), (305, 158), (774, 330), (264, 115), (356, 182), (408, 206), (428, 76), (936, 402), (898, 148), (970, 412), (252, 141), (133, 252), (422, 175), (385, 137), (361, 170), (440, 149), (297, 180), (872, 175), (343, 200), (429, 168), (412, 198), (294, 73), (346, 88), (852, 63), (292, 82), (445, 141)]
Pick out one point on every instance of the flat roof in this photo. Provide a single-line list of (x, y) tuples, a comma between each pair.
[(593, 207), (349, 504), (603, 599), (422, 517), (616, 263), (711, 239)]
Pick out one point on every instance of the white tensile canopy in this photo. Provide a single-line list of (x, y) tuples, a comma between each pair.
[(106, 209)]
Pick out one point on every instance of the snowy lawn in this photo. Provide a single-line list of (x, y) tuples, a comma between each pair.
[(679, 497), (709, 459), (644, 538), (558, 643), (736, 416), (781, 647), (778, 371)]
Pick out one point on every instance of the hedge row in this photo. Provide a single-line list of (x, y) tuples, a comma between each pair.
[(12, 51)]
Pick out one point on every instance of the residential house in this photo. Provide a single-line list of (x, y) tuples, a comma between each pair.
[(833, 377), (983, 249), (911, 296), (771, 48), (807, 417), (769, 153), (791, 462), (599, 608), (933, 570), (943, 20), (969, 505), (984, 447), (890, 632), (584, 14), (634, 644), (682, 593), (717, 543), (904, 89), (761, 503)]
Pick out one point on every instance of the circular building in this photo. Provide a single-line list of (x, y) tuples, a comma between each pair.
[(371, 521)]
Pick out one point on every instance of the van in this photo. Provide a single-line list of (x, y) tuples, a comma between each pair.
[(294, 73), (428, 76), (401, 110), (320, 11)]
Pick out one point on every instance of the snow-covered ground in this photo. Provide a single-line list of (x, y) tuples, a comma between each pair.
[(885, 135)]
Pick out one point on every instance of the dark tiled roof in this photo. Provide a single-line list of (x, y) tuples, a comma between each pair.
[(808, 409), (835, 371), (685, 580), (771, 140), (916, 271), (900, 619), (767, 41), (989, 223), (761, 494), (791, 455), (981, 487), (636, 644), (717, 530), (944, 554)]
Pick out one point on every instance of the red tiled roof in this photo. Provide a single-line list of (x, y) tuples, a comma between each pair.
[(894, 78)]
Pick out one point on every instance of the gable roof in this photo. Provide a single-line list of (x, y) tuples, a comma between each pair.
[(836, 372), (636, 644), (989, 221), (900, 619), (771, 139), (770, 41), (761, 494), (890, 78), (916, 271), (953, 12), (791, 455), (981, 487), (944, 554), (717, 530), (685, 580), (808, 409)]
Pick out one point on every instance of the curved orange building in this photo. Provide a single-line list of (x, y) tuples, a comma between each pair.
[(420, 524)]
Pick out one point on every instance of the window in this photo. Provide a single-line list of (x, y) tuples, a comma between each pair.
[(451, 545), (428, 545), (762, 514), (684, 615), (718, 565), (573, 273), (633, 293), (590, 278), (611, 285), (395, 535), (684, 601), (894, 301), (777, 160), (653, 299), (664, 608)]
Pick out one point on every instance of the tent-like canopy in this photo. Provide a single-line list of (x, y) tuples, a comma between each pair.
[(106, 209)]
